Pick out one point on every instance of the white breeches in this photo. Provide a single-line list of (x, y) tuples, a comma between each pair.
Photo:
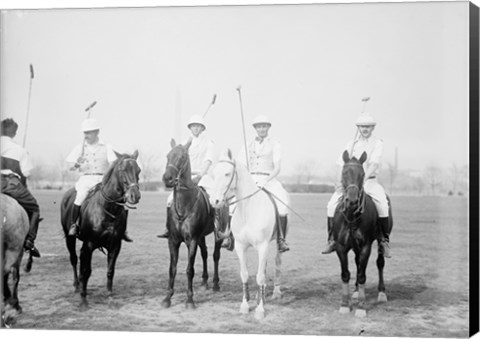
[(278, 191), (373, 189), (84, 184)]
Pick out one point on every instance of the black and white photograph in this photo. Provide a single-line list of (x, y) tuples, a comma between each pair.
[(240, 168)]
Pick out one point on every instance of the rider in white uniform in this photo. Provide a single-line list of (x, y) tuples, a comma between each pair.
[(264, 162), (201, 153), (374, 149), (92, 158)]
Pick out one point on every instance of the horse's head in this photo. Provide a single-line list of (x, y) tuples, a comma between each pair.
[(224, 182), (126, 171), (353, 175), (178, 164)]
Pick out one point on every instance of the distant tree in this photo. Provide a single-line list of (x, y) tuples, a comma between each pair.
[(151, 166), (433, 178)]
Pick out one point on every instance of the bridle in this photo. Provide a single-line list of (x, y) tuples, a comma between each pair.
[(229, 186), (179, 172), (122, 199), (360, 201)]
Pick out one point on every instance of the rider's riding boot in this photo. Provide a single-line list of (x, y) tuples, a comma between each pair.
[(165, 233), (74, 227), (331, 243), (229, 243), (32, 234), (281, 233), (385, 240)]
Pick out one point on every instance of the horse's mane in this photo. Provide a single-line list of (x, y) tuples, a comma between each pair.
[(112, 167)]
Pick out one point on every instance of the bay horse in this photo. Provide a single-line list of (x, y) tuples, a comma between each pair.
[(15, 227), (355, 227), (102, 220), (189, 220), (253, 225)]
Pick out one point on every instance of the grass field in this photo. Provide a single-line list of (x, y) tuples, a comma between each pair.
[(427, 278)]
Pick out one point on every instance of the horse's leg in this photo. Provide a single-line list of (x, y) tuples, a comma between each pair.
[(216, 260), (192, 252), (204, 254), (277, 293), (382, 296), (85, 272), (173, 248), (71, 243), (112, 260), (361, 279), (261, 280), (355, 293), (15, 280), (240, 248), (345, 305)]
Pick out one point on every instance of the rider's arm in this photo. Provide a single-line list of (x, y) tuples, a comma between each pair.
[(74, 157), (277, 162)]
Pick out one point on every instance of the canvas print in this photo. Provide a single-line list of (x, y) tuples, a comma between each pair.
[(293, 169)]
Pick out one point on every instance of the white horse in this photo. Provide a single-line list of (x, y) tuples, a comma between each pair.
[(252, 224)]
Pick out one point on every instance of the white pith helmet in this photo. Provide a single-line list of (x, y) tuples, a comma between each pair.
[(196, 119), (261, 119), (366, 119), (90, 124)]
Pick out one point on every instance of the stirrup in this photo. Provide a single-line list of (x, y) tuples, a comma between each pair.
[(282, 246), (385, 246), (73, 231)]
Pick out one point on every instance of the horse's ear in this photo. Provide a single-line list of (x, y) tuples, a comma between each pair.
[(173, 143), (135, 155), (229, 154), (189, 142), (345, 156), (118, 155), (363, 157)]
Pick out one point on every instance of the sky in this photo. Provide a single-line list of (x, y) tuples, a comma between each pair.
[(306, 67)]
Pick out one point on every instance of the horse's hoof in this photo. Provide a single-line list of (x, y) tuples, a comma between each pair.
[(216, 288), (259, 314), (244, 309), (190, 305), (355, 295), (344, 310), (382, 297), (204, 286), (83, 306), (360, 313), (166, 303), (19, 309)]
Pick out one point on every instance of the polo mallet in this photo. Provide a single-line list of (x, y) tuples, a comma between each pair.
[(89, 108), (89, 111), (364, 100), (210, 105), (28, 105), (239, 88)]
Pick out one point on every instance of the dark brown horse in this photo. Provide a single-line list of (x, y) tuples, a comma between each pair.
[(190, 219), (355, 227), (103, 220), (15, 226)]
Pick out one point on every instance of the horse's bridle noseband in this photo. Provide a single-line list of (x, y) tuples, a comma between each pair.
[(234, 175)]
